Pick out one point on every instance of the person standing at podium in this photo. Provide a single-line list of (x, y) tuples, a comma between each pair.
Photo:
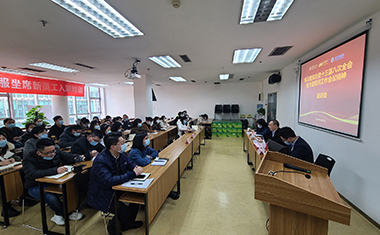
[(296, 146)]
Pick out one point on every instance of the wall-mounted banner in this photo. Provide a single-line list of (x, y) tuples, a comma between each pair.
[(15, 83)]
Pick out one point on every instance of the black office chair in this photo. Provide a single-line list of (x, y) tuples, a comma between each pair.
[(325, 161), (235, 111), (218, 109), (227, 110)]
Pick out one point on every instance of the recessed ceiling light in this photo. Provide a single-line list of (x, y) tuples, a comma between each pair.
[(129, 83), (224, 76), (97, 84), (245, 55), (16, 71), (54, 67), (178, 79), (101, 15), (165, 61), (263, 10)]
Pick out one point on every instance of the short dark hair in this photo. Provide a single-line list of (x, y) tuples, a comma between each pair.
[(108, 117), (262, 122), (111, 139), (275, 122), (36, 119), (116, 126), (148, 119), (37, 130), (97, 133), (57, 117), (136, 121), (42, 143), (85, 120), (27, 125), (287, 132), (8, 119), (76, 127)]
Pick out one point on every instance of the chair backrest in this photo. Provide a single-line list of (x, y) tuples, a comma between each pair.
[(81, 180), (235, 108), (218, 108), (226, 108), (325, 161), (244, 123)]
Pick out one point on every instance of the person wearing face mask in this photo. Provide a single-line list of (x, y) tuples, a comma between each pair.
[(141, 153), (7, 157), (13, 132), (164, 124), (28, 134), (113, 167), (156, 124), (105, 129), (182, 125), (39, 122), (45, 160), (38, 132), (94, 125), (127, 125), (262, 129), (296, 146), (147, 125), (85, 124), (137, 126), (89, 145), (70, 135), (57, 129)]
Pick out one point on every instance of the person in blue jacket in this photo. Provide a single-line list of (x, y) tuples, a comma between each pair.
[(141, 153), (263, 129), (112, 167)]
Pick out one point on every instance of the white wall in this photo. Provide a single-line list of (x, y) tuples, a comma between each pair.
[(356, 172), (199, 99), (119, 100)]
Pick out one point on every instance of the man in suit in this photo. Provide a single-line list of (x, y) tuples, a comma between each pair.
[(297, 147), (274, 126)]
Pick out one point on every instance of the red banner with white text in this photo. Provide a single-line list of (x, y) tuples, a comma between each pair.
[(15, 83)]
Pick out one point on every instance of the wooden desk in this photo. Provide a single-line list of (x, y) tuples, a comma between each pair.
[(65, 186), (165, 178), (298, 205), (207, 124), (11, 189), (160, 139), (251, 151)]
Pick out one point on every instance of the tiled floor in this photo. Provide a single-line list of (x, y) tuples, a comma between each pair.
[(217, 197)]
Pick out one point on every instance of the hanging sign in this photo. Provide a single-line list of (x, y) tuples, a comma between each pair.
[(15, 83)]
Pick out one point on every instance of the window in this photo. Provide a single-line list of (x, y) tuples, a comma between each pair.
[(88, 106)]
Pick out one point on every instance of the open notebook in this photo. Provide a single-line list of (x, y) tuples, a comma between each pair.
[(57, 176), (9, 167)]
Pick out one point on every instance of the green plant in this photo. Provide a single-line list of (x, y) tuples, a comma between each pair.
[(261, 111), (34, 113)]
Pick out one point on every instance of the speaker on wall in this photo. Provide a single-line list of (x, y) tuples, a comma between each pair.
[(274, 78)]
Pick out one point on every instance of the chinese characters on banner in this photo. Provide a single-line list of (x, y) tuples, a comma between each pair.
[(14, 83)]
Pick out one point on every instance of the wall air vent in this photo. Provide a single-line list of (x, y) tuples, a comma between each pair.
[(241, 79), (185, 58), (86, 66), (193, 81), (216, 83), (280, 50)]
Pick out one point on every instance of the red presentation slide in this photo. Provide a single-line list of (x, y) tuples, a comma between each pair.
[(331, 86)]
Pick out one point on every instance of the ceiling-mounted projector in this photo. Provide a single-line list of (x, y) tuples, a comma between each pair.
[(133, 74)]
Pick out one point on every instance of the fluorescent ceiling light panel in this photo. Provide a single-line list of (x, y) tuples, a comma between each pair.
[(129, 83), (54, 67), (246, 55), (165, 61), (279, 9), (224, 76), (97, 84), (259, 8), (178, 79), (16, 71), (248, 11), (101, 15)]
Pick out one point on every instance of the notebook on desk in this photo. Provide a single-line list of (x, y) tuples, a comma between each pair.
[(8, 167), (142, 177), (159, 161), (57, 176)]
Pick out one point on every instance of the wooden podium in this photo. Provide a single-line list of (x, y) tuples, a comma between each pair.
[(298, 205)]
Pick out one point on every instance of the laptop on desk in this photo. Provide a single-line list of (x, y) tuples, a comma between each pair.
[(274, 146)]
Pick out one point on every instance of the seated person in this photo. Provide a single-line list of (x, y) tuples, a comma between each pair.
[(262, 128), (27, 135), (147, 125), (274, 126), (85, 124), (95, 118), (127, 125), (297, 147), (69, 136), (113, 167), (39, 132), (39, 122), (156, 124), (141, 153), (89, 145), (94, 125), (117, 127), (13, 132), (182, 125), (105, 129), (117, 119), (45, 161), (57, 129), (6, 158), (163, 122), (137, 126)]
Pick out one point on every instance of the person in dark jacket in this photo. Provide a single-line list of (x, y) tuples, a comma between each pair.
[(89, 145), (297, 147), (46, 161), (262, 128), (127, 125), (112, 167), (141, 153), (156, 124), (85, 124), (39, 132), (57, 129), (136, 126), (70, 135), (94, 125), (13, 132), (27, 135), (274, 134)]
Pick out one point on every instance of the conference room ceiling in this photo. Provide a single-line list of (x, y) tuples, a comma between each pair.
[(207, 31)]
